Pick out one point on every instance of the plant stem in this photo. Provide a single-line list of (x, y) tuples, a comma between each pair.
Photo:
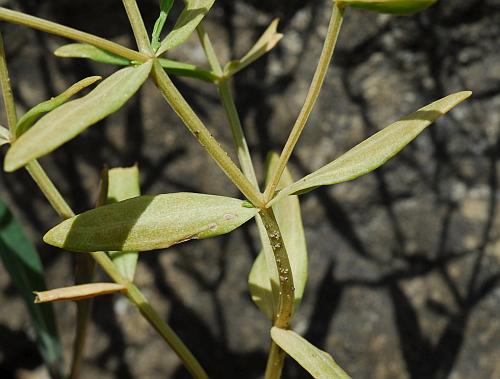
[(239, 139), (284, 308), (8, 97), (286, 292), (203, 135), (49, 190), (314, 90), (67, 32), (84, 273), (227, 100), (275, 362), (208, 48), (136, 297), (138, 27)]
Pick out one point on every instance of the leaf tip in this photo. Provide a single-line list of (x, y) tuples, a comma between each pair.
[(12, 161), (55, 236)]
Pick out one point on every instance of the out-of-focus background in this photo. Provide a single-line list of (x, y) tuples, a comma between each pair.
[(404, 262)]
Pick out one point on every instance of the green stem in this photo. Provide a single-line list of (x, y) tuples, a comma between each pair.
[(67, 32), (239, 139), (84, 273), (284, 308), (203, 135), (314, 90), (49, 190), (138, 27), (136, 297), (275, 362), (286, 291), (8, 97), (240, 143), (208, 48)]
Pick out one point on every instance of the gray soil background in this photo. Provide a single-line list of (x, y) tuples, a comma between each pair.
[(404, 262)]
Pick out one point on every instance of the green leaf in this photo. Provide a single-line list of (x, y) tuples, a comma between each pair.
[(4, 135), (80, 50), (34, 113), (150, 222), (259, 283), (83, 50), (187, 22), (123, 184), (263, 284), (398, 7), (67, 121), (26, 272), (376, 150), (265, 43), (317, 362), (187, 70), (165, 7)]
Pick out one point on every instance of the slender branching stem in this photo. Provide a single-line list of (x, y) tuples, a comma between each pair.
[(284, 308), (84, 273), (10, 106), (70, 33), (138, 27), (314, 90), (64, 211), (240, 143), (49, 190), (203, 135), (275, 362), (208, 48), (286, 291), (239, 139)]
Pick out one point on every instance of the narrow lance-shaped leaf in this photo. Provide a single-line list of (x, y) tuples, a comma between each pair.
[(123, 184), (165, 7), (150, 222), (83, 50), (4, 135), (22, 263), (187, 22), (263, 282), (265, 43), (34, 113), (317, 362), (187, 70), (376, 150), (78, 292), (67, 121), (398, 7)]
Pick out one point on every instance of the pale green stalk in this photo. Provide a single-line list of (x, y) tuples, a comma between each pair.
[(208, 48), (314, 90), (64, 211), (70, 33), (203, 135), (239, 139), (227, 100), (138, 27), (10, 107)]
